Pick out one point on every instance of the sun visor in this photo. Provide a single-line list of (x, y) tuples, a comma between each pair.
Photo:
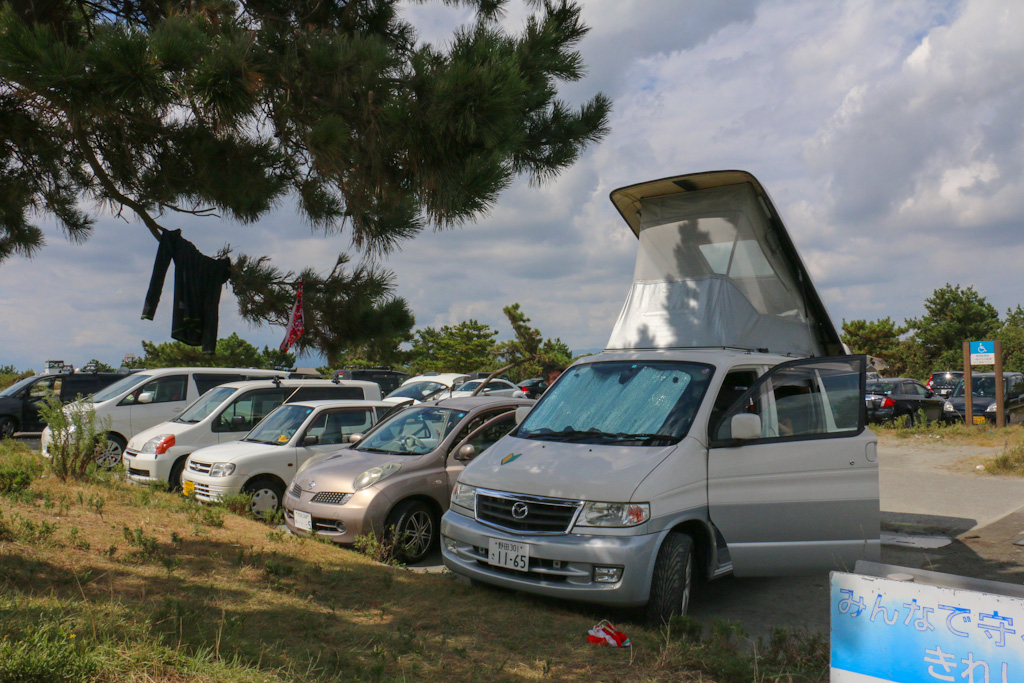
[(716, 268)]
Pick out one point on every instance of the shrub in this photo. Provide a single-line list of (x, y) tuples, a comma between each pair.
[(75, 437), (16, 474), (46, 655)]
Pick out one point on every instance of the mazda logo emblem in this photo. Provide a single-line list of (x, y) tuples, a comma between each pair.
[(519, 510), (311, 485)]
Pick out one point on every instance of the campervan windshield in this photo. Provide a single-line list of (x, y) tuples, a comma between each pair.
[(638, 403)]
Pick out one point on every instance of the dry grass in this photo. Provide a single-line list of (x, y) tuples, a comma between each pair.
[(957, 434), (146, 588)]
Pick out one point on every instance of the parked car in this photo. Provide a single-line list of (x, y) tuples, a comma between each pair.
[(224, 414), (641, 470), (427, 387), (898, 397), (983, 403), (266, 459), (943, 383), (149, 397), (388, 379), (20, 402), (533, 387), (400, 475), (496, 387)]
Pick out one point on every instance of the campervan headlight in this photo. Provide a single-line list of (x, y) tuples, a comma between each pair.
[(464, 497), (614, 514), (375, 474)]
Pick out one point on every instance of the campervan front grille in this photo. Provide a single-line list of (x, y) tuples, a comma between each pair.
[(526, 514)]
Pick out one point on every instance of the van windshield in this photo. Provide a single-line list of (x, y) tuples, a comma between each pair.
[(119, 387), (629, 403), (19, 385), (981, 386), (205, 405)]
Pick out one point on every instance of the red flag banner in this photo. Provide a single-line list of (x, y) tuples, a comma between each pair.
[(296, 324)]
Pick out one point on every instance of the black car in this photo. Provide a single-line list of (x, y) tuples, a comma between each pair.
[(20, 402), (388, 379), (533, 387), (983, 405), (944, 382), (892, 398)]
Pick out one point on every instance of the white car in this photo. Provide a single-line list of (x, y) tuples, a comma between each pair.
[(225, 414), (264, 462), (496, 387), (149, 397), (429, 387)]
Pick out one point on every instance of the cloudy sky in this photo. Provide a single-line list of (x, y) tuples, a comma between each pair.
[(889, 134)]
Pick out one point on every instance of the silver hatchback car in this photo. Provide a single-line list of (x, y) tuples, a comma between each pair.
[(398, 478)]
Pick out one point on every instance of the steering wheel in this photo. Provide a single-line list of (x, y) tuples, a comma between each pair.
[(410, 442)]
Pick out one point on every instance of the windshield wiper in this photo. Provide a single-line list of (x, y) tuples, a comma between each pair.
[(571, 435)]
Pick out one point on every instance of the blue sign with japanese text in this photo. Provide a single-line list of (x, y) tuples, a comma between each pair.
[(905, 632), (983, 353)]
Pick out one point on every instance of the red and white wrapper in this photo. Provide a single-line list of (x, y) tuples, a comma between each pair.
[(606, 634)]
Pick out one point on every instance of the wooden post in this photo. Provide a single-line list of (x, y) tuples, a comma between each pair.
[(968, 395), (1000, 405)]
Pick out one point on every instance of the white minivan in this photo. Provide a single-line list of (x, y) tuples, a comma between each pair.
[(224, 414), (266, 459), (721, 431), (148, 397)]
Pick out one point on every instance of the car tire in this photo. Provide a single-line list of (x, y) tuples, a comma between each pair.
[(174, 478), (7, 427), (413, 529), (267, 495), (672, 580), (110, 456)]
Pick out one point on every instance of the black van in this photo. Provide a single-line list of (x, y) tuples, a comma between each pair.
[(388, 379), (20, 402)]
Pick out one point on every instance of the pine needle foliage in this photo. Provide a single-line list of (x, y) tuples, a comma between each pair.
[(228, 108)]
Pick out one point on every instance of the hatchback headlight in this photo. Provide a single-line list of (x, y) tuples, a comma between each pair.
[(614, 514), (464, 496), (991, 407), (158, 445), (948, 407), (375, 474), (222, 469)]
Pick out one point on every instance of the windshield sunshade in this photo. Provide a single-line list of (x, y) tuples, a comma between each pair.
[(632, 403)]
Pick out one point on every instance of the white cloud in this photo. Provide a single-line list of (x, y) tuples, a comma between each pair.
[(887, 133)]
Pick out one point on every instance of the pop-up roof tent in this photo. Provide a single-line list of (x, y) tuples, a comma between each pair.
[(716, 268)]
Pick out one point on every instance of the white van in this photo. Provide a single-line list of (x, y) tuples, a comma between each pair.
[(148, 397), (224, 414), (721, 431), (266, 459)]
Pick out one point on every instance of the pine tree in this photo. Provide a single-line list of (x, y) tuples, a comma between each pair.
[(227, 108)]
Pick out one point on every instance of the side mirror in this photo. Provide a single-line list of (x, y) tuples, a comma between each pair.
[(929, 394), (746, 426), (467, 452), (237, 423), (310, 440), (146, 397), (522, 412), (353, 438)]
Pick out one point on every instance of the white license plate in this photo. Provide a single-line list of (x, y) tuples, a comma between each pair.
[(508, 554), (304, 520)]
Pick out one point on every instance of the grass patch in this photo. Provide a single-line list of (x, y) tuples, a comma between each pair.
[(157, 587), (956, 434), (1010, 461)]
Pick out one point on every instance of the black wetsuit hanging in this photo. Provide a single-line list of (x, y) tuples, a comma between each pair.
[(197, 283)]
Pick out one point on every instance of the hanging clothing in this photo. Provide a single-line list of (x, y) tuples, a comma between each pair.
[(296, 323), (198, 280)]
